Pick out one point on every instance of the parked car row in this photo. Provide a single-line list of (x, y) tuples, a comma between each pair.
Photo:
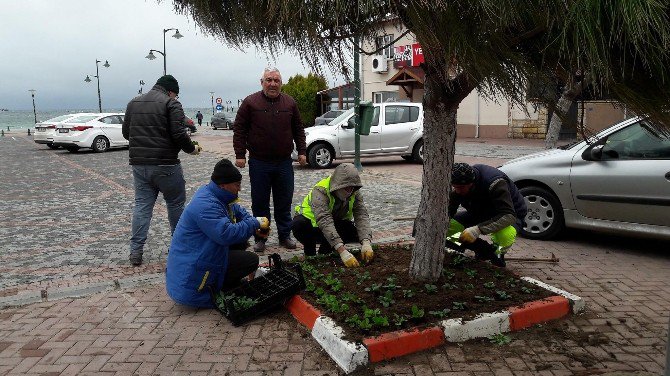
[(397, 129), (72, 132)]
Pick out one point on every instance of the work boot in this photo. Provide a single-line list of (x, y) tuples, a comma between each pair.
[(499, 260), (259, 246), (288, 243), (135, 259), (484, 250)]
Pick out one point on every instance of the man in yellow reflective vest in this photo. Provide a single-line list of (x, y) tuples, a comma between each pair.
[(332, 214)]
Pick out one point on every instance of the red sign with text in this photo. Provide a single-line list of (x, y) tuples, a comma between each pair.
[(407, 55)]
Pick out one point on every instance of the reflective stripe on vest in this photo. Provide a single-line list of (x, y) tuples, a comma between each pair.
[(306, 209)]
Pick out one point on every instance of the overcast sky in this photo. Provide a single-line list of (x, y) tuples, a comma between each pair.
[(51, 46)]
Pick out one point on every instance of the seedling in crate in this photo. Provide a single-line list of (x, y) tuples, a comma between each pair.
[(430, 288), (500, 339), (243, 302)]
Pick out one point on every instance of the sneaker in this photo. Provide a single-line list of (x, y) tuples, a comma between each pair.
[(288, 243), (259, 246), (499, 261), (135, 259)]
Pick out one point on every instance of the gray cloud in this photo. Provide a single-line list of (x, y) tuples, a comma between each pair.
[(51, 46)]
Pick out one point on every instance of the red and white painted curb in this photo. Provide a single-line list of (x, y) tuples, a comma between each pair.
[(351, 355)]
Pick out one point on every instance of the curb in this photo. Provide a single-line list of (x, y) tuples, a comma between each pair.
[(78, 291), (350, 356)]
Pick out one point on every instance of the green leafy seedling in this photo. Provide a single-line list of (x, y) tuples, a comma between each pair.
[(374, 288), (449, 286), (498, 274), (500, 339), (471, 273), (459, 260), (489, 285), (387, 299), (469, 286), (399, 320), (448, 274), (441, 313), (430, 288), (527, 290), (483, 299), (380, 321), (362, 278), (459, 305), (407, 293), (503, 295), (417, 313)]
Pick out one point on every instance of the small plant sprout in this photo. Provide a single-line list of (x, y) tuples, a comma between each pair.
[(380, 321), (441, 313), (459, 305), (399, 320), (498, 274), (503, 295), (374, 288), (417, 313), (459, 260), (527, 290), (431, 289), (387, 299), (500, 339), (391, 283), (483, 299), (243, 302), (407, 293), (449, 286), (362, 278), (448, 274), (489, 285), (471, 273), (469, 286), (319, 291)]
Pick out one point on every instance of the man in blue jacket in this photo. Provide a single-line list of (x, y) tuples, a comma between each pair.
[(201, 257)]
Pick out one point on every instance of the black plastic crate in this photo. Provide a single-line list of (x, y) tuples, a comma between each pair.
[(268, 291)]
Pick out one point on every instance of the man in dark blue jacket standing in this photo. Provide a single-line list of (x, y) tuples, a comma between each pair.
[(205, 253), (154, 127)]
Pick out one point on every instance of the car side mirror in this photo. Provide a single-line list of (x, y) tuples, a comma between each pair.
[(595, 153), (351, 124)]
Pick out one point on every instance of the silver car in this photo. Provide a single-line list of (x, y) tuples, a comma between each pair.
[(618, 182)]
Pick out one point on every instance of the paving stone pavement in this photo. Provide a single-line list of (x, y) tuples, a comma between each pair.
[(65, 225)]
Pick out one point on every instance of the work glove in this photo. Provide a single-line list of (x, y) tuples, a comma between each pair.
[(197, 150), (264, 230), (366, 251), (264, 222), (349, 260), (470, 234)]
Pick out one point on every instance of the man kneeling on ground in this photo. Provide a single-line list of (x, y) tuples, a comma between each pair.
[(208, 245), (325, 217)]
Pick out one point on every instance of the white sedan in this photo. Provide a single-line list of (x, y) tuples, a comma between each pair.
[(45, 130), (95, 131)]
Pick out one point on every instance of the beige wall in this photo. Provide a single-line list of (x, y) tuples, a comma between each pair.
[(600, 115)]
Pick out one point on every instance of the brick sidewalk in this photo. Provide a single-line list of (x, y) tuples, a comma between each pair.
[(69, 228)]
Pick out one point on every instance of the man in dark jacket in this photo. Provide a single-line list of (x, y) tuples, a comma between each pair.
[(201, 255), (154, 127), (267, 124), (493, 206)]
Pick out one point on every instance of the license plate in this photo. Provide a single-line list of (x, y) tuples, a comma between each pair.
[(63, 130), (41, 129)]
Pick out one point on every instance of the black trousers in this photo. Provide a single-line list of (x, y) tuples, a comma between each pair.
[(309, 236), (241, 263)]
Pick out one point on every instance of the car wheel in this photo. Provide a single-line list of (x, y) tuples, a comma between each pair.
[(417, 152), (545, 214), (100, 144), (320, 156), (72, 149), (408, 158), (52, 146)]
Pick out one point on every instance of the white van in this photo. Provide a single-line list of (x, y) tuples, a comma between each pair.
[(397, 129)]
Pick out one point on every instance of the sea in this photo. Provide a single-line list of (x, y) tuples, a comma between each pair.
[(14, 120)]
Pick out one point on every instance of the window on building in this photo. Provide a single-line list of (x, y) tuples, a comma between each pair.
[(384, 96), (385, 41)]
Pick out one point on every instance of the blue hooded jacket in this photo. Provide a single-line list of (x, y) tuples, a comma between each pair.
[(198, 256)]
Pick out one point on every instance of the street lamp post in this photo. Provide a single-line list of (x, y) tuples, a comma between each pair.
[(32, 93), (212, 94), (97, 75), (151, 55)]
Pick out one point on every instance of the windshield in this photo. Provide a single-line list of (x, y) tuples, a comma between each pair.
[(342, 117), (58, 119)]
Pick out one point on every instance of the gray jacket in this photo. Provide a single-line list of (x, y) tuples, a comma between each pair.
[(345, 175)]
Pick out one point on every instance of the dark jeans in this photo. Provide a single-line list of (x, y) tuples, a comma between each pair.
[(309, 235), (275, 177), (148, 181), (240, 264)]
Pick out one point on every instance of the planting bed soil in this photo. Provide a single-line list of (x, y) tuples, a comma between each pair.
[(380, 297)]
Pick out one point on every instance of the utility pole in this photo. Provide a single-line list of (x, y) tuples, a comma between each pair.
[(32, 93), (357, 107), (212, 94)]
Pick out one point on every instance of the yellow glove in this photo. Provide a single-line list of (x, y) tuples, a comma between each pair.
[(366, 251), (470, 234), (264, 222), (197, 150), (349, 260)]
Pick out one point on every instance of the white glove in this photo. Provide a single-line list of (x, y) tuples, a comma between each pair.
[(348, 259), (366, 251), (470, 234), (197, 150)]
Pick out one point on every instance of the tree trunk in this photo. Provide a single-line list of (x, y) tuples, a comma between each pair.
[(431, 223), (568, 96)]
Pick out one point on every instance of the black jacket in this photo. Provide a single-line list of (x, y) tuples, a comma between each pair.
[(154, 126)]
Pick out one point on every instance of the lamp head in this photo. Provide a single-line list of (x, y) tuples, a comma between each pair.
[(87, 79), (106, 65), (177, 35), (151, 56)]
